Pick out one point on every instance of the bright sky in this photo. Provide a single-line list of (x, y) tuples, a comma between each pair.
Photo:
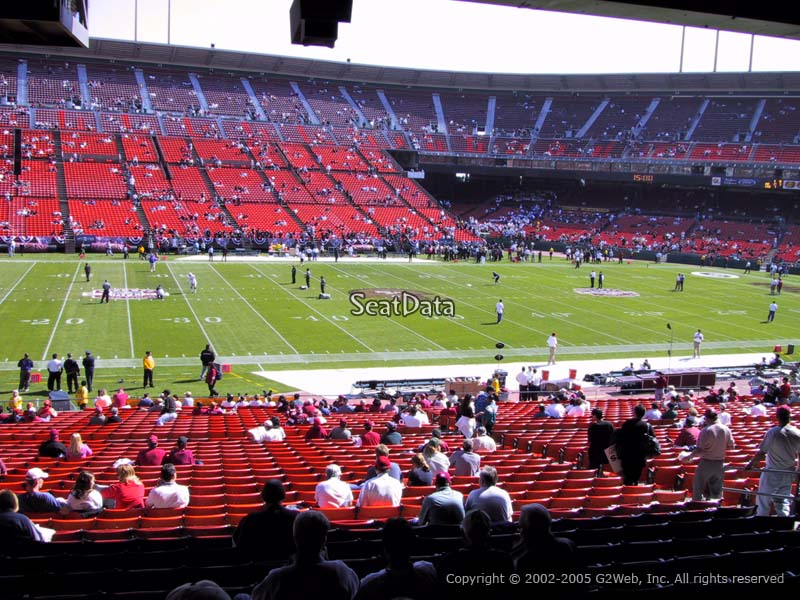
[(446, 35)]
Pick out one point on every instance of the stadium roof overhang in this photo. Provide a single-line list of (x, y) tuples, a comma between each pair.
[(204, 59), (761, 18)]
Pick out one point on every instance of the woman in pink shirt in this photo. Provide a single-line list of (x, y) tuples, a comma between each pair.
[(77, 449)]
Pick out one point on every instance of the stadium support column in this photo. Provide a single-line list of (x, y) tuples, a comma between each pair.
[(312, 116), (491, 108), (198, 91), (143, 92), (597, 112), (253, 99), (22, 84), (543, 112), (346, 95), (387, 106), (437, 106), (754, 121), (696, 120), (83, 83), (646, 117)]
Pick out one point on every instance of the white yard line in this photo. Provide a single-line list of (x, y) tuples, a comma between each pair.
[(60, 313), (258, 314), (128, 305), (189, 304), (339, 327), (392, 321), (16, 283)]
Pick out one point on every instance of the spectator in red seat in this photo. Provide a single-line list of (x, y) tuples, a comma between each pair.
[(168, 493), (394, 468), (153, 456), (128, 492), (103, 400), (316, 431), (401, 578), (15, 528), (309, 575), (420, 474), (97, 418), (34, 500), (369, 437), (83, 497), (465, 461), (435, 457), (267, 534), (120, 399), (114, 418), (447, 416), (689, 434), (47, 412), (77, 449), (341, 432), (333, 492), (383, 489), (180, 454), (445, 506), (482, 442), (391, 437), (53, 447), (491, 499)]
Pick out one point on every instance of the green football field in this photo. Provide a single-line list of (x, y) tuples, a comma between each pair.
[(256, 319)]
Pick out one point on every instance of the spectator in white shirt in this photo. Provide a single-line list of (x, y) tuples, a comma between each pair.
[(413, 418), (188, 400), (275, 432), (491, 499), (653, 414), (555, 410), (758, 409), (576, 408), (333, 492), (168, 493), (482, 442), (724, 417), (381, 490)]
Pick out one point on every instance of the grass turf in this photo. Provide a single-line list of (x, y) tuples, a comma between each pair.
[(256, 319)]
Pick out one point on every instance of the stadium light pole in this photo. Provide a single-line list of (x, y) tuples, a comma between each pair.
[(671, 339)]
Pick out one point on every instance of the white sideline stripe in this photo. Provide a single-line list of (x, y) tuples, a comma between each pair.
[(128, 305), (339, 327), (16, 283), (60, 312), (189, 304), (251, 307), (419, 335)]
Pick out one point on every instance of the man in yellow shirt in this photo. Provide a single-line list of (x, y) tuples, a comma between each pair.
[(149, 364), (83, 395)]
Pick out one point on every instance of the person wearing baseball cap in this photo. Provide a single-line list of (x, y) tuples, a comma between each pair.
[(53, 447), (383, 489), (341, 432), (369, 437), (34, 500), (392, 437), (712, 444), (180, 454), (445, 506), (152, 456), (780, 446)]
